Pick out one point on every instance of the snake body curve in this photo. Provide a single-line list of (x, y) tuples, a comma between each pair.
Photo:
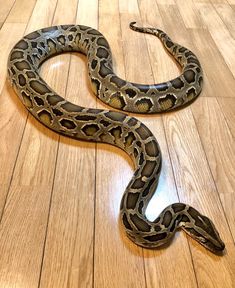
[(115, 128)]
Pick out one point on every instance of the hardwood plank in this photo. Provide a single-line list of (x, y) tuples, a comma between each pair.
[(22, 229), (196, 187), (8, 34), (21, 11), (218, 144), (189, 13), (31, 186), (215, 72), (12, 122), (227, 14), (228, 107), (6, 6), (220, 34)]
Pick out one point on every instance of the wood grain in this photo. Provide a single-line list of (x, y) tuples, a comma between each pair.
[(59, 198)]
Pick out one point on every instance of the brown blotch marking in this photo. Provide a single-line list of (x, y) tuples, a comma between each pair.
[(67, 123), (148, 188), (185, 219), (177, 83), (52, 45), (94, 64), (104, 70), (61, 39), (27, 100), (169, 43), (105, 123), (39, 87), (132, 121), (117, 101), (143, 131), (22, 65), (148, 168), (45, 117), (132, 199), (189, 76), (139, 223), (167, 102), (151, 148), (85, 118), (93, 31), (22, 80), (102, 53), (57, 112), (17, 55), (22, 44), (140, 208), (129, 139), (30, 74), (188, 53), (144, 105), (118, 81), (161, 86), (102, 42), (175, 223), (70, 37), (126, 223), (193, 60), (130, 92), (177, 207), (116, 132), (95, 86), (136, 152), (200, 81), (138, 183), (194, 213), (116, 116), (156, 237), (191, 93), (90, 129), (54, 99), (12, 71), (141, 159), (32, 35), (166, 221), (157, 228), (70, 107), (182, 49), (39, 101)]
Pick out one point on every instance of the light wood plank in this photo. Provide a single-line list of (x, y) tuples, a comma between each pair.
[(21, 11), (189, 14), (220, 34), (28, 199), (218, 144), (6, 6), (215, 72), (196, 187), (227, 14), (228, 107)]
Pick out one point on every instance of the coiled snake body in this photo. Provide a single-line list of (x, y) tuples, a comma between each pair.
[(112, 127)]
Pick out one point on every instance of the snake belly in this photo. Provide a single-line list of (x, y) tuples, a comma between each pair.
[(111, 127)]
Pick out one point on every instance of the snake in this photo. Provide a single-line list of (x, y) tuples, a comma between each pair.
[(114, 127)]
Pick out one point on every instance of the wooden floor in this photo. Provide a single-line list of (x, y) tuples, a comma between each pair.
[(59, 198)]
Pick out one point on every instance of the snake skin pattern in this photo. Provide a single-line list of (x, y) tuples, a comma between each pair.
[(115, 128)]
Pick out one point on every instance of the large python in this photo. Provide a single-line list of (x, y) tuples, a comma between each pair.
[(112, 127)]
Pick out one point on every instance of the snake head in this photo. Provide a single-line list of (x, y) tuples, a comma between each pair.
[(202, 229)]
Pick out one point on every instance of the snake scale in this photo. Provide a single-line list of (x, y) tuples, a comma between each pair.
[(113, 127)]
